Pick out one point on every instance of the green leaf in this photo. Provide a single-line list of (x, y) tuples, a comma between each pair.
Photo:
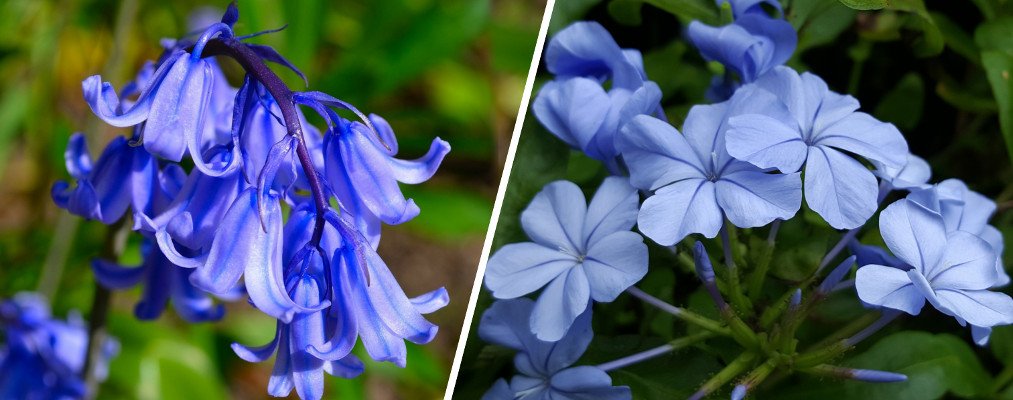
[(930, 42), (902, 105), (995, 38), (701, 10), (566, 12), (818, 22), (626, 11), (1001, 343), (866, 4), (956, 39), (934, 364)]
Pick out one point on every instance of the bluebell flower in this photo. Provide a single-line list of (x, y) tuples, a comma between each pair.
[(362, 170), (695, 183), (123, 176), (814, 127), (545, 368), (576, 107), (42, 357), (952, 270), (175, 106), (579, 252)]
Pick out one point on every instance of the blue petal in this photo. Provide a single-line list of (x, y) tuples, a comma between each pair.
[(587, 49), (157, 288), (114, 276), (348, 367), (517, 269), (967, 263), (782, 40), (280, 384), (506, 323), (379, 341), (76, 156), (978, 307), (862, 134), (192, 304), (839, 189), (644, 101), (565, 298), (364, 170), (888, 287), (432, 301), (573, 109), (101, 97), (385, 132), (550, 357), (177, 110), (730, 45), (614, 264), (766, 142), (555, 217), (981, 334), (206, 199), (307, 330), (913, 175), (657, 154), (389, 301), (344, 315), (867, 254), (109, 182), (613, 209), (752, 198), (677, 210), (587, 382), (913, 234), (420, 170)]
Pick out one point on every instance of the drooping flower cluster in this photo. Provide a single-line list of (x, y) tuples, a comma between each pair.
[(256, 206), (773, 138), (42, 357)]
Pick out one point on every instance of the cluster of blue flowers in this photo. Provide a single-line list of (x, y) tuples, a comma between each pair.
[(42, 357), (255, 159), (773, 138)]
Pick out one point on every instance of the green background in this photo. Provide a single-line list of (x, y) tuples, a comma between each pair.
[(453, 69)]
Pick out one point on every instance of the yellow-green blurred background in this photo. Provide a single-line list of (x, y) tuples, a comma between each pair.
[(453, 69)]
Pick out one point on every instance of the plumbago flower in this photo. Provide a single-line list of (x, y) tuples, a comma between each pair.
[(579, 252), (544, 367), (256, 207), (952, 270), (42, 357), (695, 183), (576, 107), (812, 128), (751, 46)]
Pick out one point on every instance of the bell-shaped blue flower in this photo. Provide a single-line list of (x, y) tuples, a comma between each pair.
[(579, 252), (695, 183), (121, 177), (815, 127), (175, 106), (362, 170), (951, 270), (295, 367), (42, 357), (368, 303), (545, 368)]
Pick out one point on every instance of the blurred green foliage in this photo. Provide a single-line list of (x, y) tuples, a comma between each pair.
[(938, 70), (453, 69)]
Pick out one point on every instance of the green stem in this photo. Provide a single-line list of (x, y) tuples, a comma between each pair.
[(759, 275), (735, 293), (681, 313), (735, 368), (822, 355), (759, 374), (1003, 379), (115, 242)]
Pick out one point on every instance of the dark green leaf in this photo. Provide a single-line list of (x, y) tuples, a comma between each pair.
[(902, 105), (998, 67), (865, 4), (929, 42), (818, 21), (701, 10)]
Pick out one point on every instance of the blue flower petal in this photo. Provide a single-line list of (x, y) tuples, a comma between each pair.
[(913, 234), (862, 134), (507, 323), (614, 264), (613, 208), (259, 353), (766, 142), (555, 217), (281, 383), (432, 301), (587, 49), (177, 110), (420, 170), (76, 157), (839, 189), (888, 287), (562, 301), (573, 110), (517, 269), (967, 263), (978, 307), (677, 210), (751, 198), (587, 382), (657, 154), (114, 276), (348, 367), (307, 330)]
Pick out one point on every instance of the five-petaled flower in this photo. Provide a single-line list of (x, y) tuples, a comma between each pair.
[(581, 251)]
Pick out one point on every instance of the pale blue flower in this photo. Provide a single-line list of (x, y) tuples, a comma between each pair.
[(952, 270), (545, 368), (695, 183), (579, 252), (815, 127)]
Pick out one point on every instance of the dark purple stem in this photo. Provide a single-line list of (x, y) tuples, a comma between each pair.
[(255, 66)]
